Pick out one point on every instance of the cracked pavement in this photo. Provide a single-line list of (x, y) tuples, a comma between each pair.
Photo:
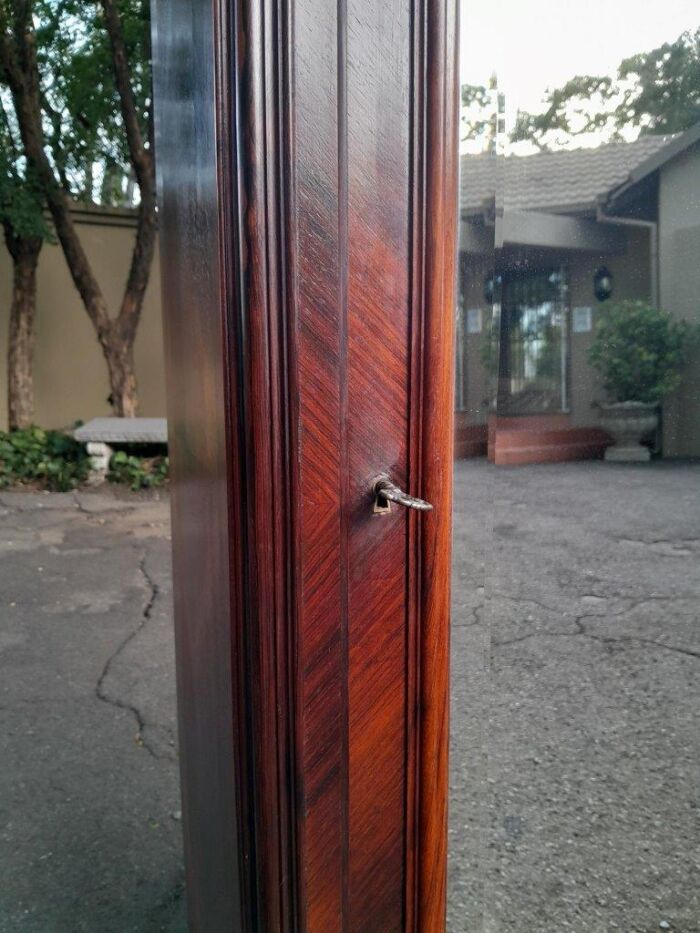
[(575, 760), (575, 763), (89, 794)]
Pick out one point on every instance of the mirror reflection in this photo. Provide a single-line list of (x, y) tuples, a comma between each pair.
[(575, 769)]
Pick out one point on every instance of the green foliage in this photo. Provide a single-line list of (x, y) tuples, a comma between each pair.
[(655, 92), (21, 199), (138, 472), (82, 113), (586, 95), (664, 96), (82, 119), (482, 109), (21, 207), (54, 460), (640, 351), (50, 459)]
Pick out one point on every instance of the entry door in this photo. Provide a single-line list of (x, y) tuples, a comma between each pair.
[(534, 312), (307, 159)]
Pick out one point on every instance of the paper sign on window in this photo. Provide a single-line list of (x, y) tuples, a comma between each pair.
[(582, 320), (474, 320)]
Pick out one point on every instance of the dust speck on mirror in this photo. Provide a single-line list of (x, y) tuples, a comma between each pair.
[(575, 744)]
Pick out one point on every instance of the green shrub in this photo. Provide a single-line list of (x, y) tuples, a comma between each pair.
[(50, 459), (640, 351), (138, 472)]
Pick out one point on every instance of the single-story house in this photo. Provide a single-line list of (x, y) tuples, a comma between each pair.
[(544, 240)]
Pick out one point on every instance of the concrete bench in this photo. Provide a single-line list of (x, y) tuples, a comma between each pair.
[(101, 433)]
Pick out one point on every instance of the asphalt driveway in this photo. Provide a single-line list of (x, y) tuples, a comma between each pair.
[(575, 770), (90, 837)]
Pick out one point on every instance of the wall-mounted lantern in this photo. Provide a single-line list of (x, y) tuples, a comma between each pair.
[(603, 284)]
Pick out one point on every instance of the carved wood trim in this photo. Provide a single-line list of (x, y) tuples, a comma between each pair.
[(436, 210)]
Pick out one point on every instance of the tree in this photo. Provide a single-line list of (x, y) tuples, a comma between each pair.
[(82, 109), (25, 229), (57, 154), (480, 115), (656, 92)]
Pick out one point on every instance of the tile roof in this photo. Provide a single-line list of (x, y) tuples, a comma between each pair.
[(568, 180)]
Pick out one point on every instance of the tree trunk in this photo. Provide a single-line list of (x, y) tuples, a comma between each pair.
[(20, 382), (119, 353), (116, 335)]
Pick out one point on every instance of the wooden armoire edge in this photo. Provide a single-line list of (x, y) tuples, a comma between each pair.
[(437, 151), (253, 153)]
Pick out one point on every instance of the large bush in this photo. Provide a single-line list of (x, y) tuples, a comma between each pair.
[(49, 459), (639, 351)]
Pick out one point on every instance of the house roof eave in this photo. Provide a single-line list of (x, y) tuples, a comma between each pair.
[(649, 166)]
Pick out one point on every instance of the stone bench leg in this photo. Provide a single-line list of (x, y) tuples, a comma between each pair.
[(100, 455)]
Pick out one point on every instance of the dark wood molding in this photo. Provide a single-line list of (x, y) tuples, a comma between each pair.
[(312, 642), (439, 165)]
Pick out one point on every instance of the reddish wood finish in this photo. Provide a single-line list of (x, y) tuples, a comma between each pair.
[(308, 176), (438, 161)]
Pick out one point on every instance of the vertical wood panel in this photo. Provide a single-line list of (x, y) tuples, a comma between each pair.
[(378, 139), (318, 355), (212, 722)]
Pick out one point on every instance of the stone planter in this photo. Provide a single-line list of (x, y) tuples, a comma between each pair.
[(629, 423)]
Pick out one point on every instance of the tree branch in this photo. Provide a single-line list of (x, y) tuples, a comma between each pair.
[(19, 61), (141, 157), (144, 169), (59, 155), (9, 67)]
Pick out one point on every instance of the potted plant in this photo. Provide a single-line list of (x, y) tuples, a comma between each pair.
[(639, 352)]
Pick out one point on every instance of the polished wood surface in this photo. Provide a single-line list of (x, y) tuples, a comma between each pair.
[(308, 165), (439, 211), (213, 731)]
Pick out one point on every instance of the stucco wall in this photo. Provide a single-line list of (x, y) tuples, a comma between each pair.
[(679, 284), (70, 373), (632, 279)]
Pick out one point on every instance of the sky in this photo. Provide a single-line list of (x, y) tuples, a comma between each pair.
[(535, 44)]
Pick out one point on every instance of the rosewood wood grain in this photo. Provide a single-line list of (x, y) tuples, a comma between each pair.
[(377, 114), (307, 159), (438, 209), (310, 100)]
